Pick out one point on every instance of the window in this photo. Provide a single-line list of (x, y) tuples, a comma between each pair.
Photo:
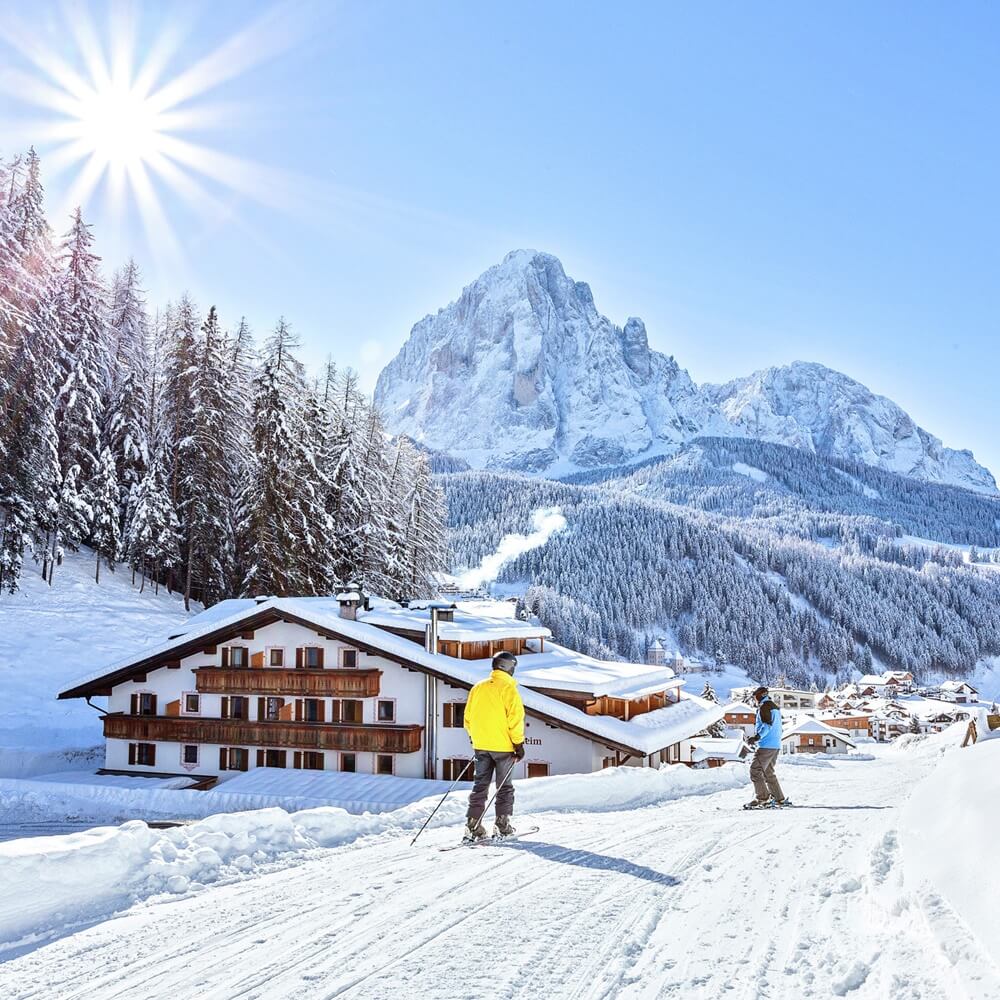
[(386, 710), (235, 707), (310, 657), (309, 760), (383, 763), (192, 704), (454, 714), (312, 710), (351, 710), (237, 656), (189, 753), (810, 741), (142, 753), (452, 767), (348, 762), (234, 759), (537, 770), (275, 657), (143, 703), (272, 709), (349, 658), (274, 758)]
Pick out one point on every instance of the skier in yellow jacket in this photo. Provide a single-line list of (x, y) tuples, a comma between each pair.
[(494, 720)]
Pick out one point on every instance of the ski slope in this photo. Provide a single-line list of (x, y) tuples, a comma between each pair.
[(691, 899)]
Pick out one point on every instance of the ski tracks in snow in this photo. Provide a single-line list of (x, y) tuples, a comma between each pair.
[(679, 901)]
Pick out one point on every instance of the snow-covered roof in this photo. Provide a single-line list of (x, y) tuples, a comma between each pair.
[(716, 748), (811, 727), (465, 627), (957, 686), (870, 680), (646, 734), (739, 708)]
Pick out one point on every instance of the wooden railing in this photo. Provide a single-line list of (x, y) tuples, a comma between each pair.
[(272, 680), (238, 732)]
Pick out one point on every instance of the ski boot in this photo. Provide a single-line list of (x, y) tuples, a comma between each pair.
[(474, 831), (785, 803), (503, 828), (758, 804)]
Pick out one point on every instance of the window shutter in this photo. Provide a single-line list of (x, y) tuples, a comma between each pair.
[(319, 656), (225, 707), (320, 710), (223, 758), (298, 657), (335, 711), (225, 656), (298, 709), (261, 709), (260, 758), (152, 754), (152, 704), (447, 714), (257, 659), (297, 759), (131, 750), (282, 758), (134, 709)]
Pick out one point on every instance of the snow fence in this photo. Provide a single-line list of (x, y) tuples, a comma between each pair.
[(49, 885)]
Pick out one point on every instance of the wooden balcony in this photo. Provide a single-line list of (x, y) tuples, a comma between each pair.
[(239, 732), (275, 681)]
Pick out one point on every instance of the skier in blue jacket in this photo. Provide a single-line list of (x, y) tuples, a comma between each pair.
[(767, 738)]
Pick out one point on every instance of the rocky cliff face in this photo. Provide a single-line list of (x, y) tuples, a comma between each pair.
[(815, 408), (522, 372)]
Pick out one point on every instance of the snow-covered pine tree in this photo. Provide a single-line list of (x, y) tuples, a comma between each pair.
[(239, 443), (81, 310), (205, 485), (708, 693), (423, 551), (153, 531), (128, 394), (104, 501), (280, 505)]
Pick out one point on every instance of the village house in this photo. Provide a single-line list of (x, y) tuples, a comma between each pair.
[(740, 716), (855, 724), (815, 736), (364, 685), (959, 692), (783, 697)]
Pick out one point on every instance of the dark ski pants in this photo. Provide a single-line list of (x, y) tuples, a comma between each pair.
[(762, 775), (490, 763)]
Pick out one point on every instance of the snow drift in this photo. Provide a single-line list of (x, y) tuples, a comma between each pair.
[(49, 885)]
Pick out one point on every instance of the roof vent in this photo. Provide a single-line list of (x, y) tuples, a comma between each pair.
[(261, 599)]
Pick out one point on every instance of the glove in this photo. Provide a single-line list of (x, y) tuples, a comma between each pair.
[(752, 740), (518, 751)]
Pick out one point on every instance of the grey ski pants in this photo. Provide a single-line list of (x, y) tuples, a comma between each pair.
[(765, 782), (490, 763)]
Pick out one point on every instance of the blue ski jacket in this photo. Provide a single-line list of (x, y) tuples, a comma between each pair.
[(768, 726)]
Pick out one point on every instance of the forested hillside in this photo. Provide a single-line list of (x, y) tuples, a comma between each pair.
[(773, 584), (166, 440)]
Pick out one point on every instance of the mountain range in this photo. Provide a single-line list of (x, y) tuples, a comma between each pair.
[(523, 373)]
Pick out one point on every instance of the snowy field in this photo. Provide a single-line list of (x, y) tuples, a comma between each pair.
[(638, 885), (51, 636)]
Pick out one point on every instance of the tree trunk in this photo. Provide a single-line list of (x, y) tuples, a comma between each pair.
[(187, 576), (97, 572)]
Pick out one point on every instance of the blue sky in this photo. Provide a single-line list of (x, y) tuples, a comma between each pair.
[(760, 183)]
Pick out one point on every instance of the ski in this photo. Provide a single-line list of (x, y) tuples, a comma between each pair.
[(751, 807), (491, 841)]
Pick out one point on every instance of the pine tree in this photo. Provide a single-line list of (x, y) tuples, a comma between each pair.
[(103, 500), (152, 536)]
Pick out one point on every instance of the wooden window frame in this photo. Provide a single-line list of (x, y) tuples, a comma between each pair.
[(343, 756), (226, 758), (378, 714), (226, 707), (448, 720), (392, 764), (528, 764), (320, 703), (227, 657), (135, 704), (268, 651), (341, 716), (197, 754), (342, 656), (134, 754), (302, 653), (451, 768), (184, 705)]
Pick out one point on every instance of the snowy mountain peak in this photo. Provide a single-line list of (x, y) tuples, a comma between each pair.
[(523, 372), (807, 405)]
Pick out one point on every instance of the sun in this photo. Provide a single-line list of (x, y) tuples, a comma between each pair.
[(131, 118), (120, 126)]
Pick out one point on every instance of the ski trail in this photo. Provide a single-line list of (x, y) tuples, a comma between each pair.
[(695, 899)]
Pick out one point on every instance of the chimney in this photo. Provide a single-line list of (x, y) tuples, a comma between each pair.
[(349, 601), (431, 633)]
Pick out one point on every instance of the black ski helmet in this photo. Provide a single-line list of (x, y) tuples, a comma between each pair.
[(504, 661), (760, 692)]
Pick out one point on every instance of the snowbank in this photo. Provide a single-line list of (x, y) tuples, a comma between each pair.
[(948, 833), (49, 884)]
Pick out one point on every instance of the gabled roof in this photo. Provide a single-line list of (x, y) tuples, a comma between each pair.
[(646, 734), (814, 727), (958, 686)]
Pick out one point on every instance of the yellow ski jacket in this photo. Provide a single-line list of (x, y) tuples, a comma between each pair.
[(494, 714)]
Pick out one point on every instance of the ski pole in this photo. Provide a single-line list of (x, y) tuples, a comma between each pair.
[(441, 803), (496, 791)]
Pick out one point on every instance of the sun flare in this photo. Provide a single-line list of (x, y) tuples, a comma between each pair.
[(120, 126)]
